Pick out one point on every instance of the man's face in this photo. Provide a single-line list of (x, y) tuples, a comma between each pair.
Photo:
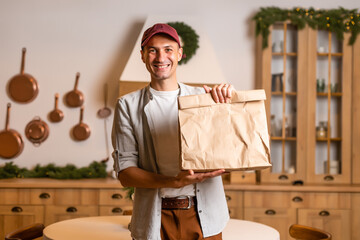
[(161, 55)]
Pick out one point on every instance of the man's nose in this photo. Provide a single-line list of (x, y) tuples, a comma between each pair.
[(160, 56)]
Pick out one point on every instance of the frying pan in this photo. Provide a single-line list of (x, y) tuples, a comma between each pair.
[(11, 143), (75, 98), (56, 115), (81, 131), (37, 131), (105, 111), (23, 87)]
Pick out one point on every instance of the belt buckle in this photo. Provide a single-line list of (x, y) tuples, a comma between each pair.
[(189, 205)]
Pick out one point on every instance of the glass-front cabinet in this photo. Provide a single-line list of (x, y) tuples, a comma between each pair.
[(330, 88), (307, 78)]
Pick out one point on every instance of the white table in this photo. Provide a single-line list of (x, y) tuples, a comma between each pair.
[(116, 228)]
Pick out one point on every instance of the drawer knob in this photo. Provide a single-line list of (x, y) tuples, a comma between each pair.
[(116, 196), (44, 196), (16, 209), (328, 178), (117, 210), (228, 198), (71, 209), (297, 199), (270, 212), (283, 177), (324, 213)]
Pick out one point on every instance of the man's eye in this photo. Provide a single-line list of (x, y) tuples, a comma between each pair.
[(168, 50), (152, 50)]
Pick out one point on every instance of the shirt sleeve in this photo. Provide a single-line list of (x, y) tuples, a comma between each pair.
[(124, 142)]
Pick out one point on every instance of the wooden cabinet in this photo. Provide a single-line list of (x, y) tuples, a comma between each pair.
[(235, 204), (334, 209), (25, 201), (335, 221), (308, 78)]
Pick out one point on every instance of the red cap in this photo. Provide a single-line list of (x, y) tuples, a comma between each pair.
[(159, 28)]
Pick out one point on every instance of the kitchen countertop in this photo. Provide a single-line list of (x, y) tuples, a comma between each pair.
[(107, 183)]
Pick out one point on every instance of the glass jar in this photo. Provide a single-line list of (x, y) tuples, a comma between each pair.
[(321, 130)]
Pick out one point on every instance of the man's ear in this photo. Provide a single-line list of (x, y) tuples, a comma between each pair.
[(142, 55), (180, 54)]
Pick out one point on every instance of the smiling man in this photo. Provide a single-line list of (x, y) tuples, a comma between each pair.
[(169, 203)]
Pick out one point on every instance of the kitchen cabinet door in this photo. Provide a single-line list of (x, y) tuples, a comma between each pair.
[(335, 221), (15, 216), (278, 218)]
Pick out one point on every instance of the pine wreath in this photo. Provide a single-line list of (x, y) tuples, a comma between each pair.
[(189, 38)]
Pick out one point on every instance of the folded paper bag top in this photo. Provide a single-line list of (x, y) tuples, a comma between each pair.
[(230, 136)]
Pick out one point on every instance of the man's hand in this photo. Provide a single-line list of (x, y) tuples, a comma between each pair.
[(189, 177), (220, 93)]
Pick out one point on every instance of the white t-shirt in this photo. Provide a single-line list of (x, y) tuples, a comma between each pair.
[(164, 114)]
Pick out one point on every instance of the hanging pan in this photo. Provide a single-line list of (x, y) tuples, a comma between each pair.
[(11, 143), (23, 87), (81, 131), (56, 115), (75, 98), (37, 131), (105, 111)]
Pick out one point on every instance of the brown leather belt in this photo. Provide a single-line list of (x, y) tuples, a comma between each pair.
[(178, 203)]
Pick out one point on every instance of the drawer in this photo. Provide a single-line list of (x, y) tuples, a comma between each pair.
[(329, 200), (115, 210), (60, 213), (15, 196), (113, 197), (267, 199), (234, 198), (76, 196)]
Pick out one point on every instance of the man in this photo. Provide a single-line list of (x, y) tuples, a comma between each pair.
[(168, 203)]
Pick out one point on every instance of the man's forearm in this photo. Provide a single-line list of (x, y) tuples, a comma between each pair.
[(137, 177)]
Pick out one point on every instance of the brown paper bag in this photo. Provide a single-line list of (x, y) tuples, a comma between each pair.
[(230, 136)]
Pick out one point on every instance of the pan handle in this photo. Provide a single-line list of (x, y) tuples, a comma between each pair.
[(56, 100), (81, 114), (77, 80), (7, 117), (23, 61)]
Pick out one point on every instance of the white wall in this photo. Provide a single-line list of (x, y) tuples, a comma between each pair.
[(96, 38)]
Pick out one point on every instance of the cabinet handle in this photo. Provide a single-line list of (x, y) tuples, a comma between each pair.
[(71, 209), (228, 198), (324, 213), (16, 209), (297, 199), (116, 196), (270, 212), (328, 178), (44, 196), (283, 177), (116, 210)]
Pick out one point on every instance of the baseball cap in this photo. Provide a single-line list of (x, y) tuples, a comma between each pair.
[(159, 28)]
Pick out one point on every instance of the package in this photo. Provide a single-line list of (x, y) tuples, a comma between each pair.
[(230, 136)]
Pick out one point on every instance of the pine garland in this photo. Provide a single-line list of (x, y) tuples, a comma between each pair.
[(70, 171), (189, 38), (338, 20)]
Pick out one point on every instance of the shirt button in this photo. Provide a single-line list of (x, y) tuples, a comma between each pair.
[(198, 190), (200, 211)]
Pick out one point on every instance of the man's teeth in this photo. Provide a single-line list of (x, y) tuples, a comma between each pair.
[(163, 66)]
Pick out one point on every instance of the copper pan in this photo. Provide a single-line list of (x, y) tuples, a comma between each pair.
[(81, 131), (56, 115), (75, 98), (37, 131), (23, 87), (11, 142)]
